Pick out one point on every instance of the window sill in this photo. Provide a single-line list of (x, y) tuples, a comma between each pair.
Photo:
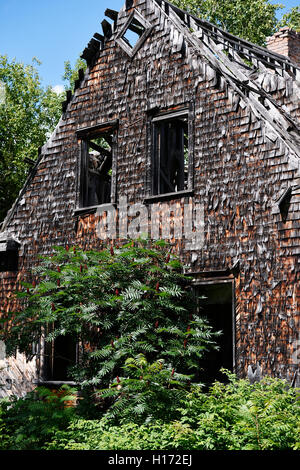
[(55, 383), (168, 196), (92, 209)]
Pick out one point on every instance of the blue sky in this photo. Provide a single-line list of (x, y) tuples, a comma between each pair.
[(54, 30)]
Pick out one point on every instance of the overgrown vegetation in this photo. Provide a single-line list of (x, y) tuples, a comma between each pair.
[(137, 381), (235, 416), (132, 312), (30, 422)]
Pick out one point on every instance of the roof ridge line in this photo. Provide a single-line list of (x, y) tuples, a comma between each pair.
[(245, 42)]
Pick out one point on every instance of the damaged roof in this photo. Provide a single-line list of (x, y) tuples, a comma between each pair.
[(251, 70), (253, 73)]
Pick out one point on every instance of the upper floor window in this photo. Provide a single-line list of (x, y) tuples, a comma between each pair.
[(134, 33), (171, 153), (98, 146)]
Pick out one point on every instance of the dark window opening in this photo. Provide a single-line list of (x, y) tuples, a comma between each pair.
[(284, 204), (171, 155), (97, 169), (217, 307), (133, 33), (9, 261), (9, 255), (61, 354)]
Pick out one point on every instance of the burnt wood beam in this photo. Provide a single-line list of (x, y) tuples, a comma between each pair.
[(129, 4), (29, 161), (80, 74), (99, 38), (87, 55), (108, 139), (168, 196), (77, 84), (79, 79), (92, 131), (69, 96), (82, 211), (106, 165), (260, 53), (94, 45), (112, 14), (136, 28), (107, 29), (99, 149), (65, 103)]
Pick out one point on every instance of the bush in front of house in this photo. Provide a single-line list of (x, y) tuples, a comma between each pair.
[(131, 310), (232, 416), (137, 378), (28, 423), (244, 416)]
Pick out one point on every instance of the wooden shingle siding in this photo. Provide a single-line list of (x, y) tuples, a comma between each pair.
[(245, 139)]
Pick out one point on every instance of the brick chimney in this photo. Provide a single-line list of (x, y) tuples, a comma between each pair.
[(286, 42)]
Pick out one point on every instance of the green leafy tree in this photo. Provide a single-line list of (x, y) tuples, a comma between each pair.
[(28, 114), (146, 391), (252, 20), (132, 311), (71, 74), (291, 19)]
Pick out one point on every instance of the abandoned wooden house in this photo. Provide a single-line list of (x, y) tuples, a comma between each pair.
[(174, 112)]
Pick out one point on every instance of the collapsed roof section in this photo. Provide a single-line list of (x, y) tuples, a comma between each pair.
[(253, 72)]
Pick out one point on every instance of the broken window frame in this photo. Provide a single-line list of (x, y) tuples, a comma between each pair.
[(204, 280), (85, 136), (48, 355), (155, 189), (131, 51)]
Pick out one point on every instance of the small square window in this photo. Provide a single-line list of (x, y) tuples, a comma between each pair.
[(170, 153), (134, 33)]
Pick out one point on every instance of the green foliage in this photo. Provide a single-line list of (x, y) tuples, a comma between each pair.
[(4, 432), (100, 435), (252, 20), (28, 113), (27, 423), (71, 74), (235, 416), (291, 19), (146, 392), (240, 416), (133, 310)]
